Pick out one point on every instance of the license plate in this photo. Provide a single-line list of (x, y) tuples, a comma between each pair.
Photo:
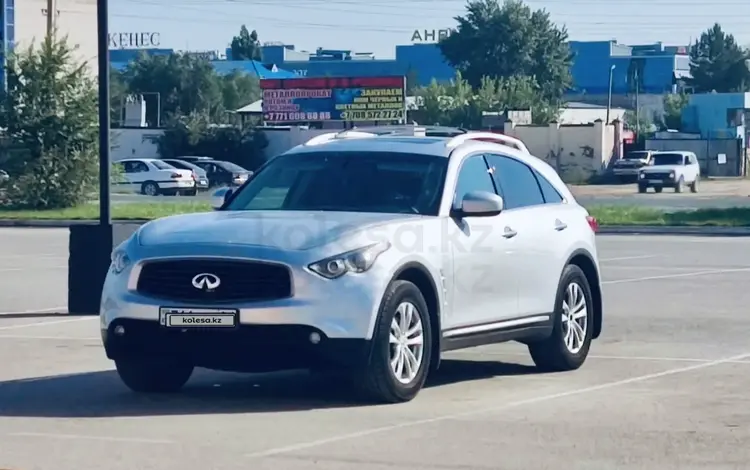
[(174, 317)]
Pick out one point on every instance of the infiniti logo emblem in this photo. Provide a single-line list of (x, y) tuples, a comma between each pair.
[(206, 281)]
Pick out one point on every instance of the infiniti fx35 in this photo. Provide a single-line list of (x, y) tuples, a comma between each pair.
[(364, 255)]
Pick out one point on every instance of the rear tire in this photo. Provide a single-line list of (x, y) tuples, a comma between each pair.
[(567, 349), (658, 189), (149, 188), (153, 375), (403, 308)]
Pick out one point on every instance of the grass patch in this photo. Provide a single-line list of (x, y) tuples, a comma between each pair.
[(134, 211), (636, 215), (606, 215)]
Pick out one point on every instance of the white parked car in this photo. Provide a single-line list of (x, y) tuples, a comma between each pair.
[(671, 170), (367, 255), (153, 177)]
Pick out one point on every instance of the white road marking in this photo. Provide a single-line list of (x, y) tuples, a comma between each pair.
[(492, 409), (624, 258), (596, 356), (669, 276), (54, 338), (32, 268), (36, 310), (45, 323), (90, 438)]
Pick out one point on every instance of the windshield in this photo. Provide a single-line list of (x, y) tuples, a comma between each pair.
[(667, 159), (162, 165), (346, 181), (636, 155), (231, 167)]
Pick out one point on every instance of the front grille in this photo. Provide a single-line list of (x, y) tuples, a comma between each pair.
[(657, 176), (240, 281)]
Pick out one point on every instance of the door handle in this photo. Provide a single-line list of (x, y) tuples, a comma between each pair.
[(509, 233), (559, 225)]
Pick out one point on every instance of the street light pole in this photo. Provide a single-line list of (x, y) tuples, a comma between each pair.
[(609, 92), (102, 19)]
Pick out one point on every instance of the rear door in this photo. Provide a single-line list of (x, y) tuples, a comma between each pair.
[(542, 228)]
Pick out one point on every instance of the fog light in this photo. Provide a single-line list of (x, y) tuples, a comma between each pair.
[(119, 330), (315, 338)]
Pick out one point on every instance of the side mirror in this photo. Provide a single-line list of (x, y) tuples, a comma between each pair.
[(480, 204), (219, 197)]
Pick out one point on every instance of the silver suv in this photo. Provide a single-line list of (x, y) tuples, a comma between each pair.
[(368, 255)]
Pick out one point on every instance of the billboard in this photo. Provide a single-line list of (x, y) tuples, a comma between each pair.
[(334, 99)]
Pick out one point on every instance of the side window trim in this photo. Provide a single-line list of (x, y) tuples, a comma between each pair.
[(538, 175), (499, 189)]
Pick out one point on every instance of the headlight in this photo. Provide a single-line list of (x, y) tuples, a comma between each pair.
[(120, 261), (671, 175), (355, 261), (641, 175)]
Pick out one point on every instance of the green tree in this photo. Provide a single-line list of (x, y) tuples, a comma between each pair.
[(458, 104), (50, 118), (717, 63), (195, 134), (180, 84), (510, 39), (674, 104), (246, 46)]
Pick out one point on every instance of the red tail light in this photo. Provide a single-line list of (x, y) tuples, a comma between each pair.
[(592, 223), (175, 176)]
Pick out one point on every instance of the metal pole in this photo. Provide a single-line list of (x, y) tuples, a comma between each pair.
[(50, 16), (609, 92), (102, 19), (637, 106)]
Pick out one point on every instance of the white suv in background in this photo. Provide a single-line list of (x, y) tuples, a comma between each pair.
[(370, 255), (153, 177), (672, 170)]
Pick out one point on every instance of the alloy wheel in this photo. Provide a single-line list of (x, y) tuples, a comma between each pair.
[(406, 343), (575, 318)]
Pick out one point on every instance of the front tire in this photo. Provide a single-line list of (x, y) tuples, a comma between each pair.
[(694, 185), (153, 375), (642, 188), (680, 186), (401, 347), (568, 346)]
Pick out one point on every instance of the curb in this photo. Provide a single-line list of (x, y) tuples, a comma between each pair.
[(58, 223), (674, 230)]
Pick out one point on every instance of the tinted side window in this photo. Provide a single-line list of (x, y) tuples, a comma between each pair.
[(551, 196), (473, 176), (517, 182)]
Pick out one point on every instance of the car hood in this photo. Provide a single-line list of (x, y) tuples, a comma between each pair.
[(661, 168), (288, 230)]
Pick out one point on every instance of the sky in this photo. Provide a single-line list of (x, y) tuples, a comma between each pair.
[(378, 26)]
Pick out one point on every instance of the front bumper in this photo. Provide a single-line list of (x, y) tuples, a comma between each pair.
[(651, 181), (246, 348), (626, 171)]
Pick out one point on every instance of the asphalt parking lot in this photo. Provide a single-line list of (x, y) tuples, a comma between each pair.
[(666, 387)]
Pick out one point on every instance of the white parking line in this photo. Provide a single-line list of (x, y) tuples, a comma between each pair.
[(58, 338), (45, 323), (493, 409), (624, 258), (32, 268), (36, 310), (669, 276), (89, 438), (594, 356)]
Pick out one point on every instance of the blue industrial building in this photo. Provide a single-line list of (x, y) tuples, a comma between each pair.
[(717, 115), (7, 34), (661, 68)]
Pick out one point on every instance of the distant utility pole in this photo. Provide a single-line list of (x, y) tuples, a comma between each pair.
[(51, 13)]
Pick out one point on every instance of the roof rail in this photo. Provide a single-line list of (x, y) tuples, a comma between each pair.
[(501, 139), (329, 136)]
